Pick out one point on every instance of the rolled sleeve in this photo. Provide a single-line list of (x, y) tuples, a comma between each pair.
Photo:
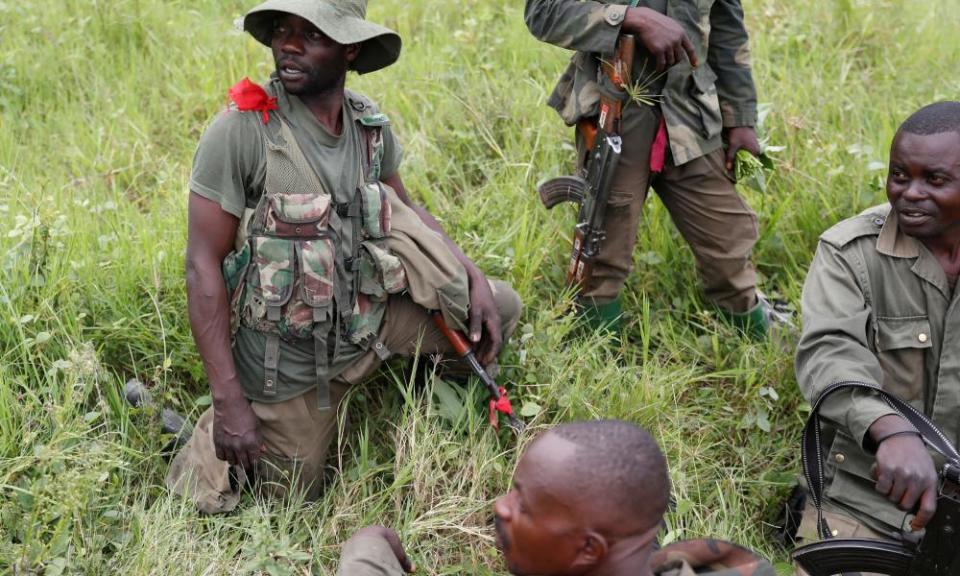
[(833, 345)]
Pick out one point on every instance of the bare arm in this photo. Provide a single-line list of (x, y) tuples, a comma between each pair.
[(485, 329), (210, 237)]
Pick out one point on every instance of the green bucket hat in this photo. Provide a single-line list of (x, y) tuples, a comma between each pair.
[(342, 20)]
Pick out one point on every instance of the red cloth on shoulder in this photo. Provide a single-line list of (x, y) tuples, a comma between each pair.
[(250, 97)]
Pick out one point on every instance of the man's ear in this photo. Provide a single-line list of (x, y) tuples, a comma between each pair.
[(593, 549), (353, 50)]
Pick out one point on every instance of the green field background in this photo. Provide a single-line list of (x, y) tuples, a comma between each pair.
[(101, 106)]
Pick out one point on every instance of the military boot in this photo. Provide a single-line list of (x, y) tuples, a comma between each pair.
[(171, 422), (607, 317), (765, 318)]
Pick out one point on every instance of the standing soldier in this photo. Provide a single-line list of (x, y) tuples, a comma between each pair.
[(307, 262), (694, 58)]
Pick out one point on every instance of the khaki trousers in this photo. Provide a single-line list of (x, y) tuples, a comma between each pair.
[(704, 205), (296, 433), (842, 526), (368, 556)]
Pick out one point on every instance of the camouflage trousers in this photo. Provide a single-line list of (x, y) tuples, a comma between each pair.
[(296, 433), (703, 202), (842, 526)]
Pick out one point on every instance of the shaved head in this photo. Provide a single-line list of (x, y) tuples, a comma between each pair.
[(935, 118), (583, 494), (620, 465)]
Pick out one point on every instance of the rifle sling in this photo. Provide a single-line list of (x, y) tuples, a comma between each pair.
[(812, 453)]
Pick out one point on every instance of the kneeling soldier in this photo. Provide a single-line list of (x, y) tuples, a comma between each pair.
[(307, 262)]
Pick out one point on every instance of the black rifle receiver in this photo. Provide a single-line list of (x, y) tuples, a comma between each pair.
[(590, 188), (938, 551), (937, 554)]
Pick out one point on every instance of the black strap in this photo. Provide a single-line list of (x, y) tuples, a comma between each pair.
[(321, 362), (811, 448), (271, 363)]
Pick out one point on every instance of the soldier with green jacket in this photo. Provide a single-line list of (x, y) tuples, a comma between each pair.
[(307, 262), (694, 58), (880, 306)]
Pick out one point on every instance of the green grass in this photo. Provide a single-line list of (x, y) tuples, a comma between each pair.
[(101, 105)]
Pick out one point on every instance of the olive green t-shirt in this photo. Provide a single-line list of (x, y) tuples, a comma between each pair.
[(229, 167)]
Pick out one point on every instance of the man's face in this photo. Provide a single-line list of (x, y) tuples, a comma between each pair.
[(538, 529), (923, 184), (308, 61)]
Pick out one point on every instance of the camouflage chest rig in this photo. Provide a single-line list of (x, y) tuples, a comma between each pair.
[(295, 274)]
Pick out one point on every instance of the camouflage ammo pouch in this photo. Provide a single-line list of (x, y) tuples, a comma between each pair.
[(708, 556), (286, 277)]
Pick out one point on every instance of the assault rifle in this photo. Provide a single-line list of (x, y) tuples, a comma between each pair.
[(590, 188), (938, 551), (498, 396)]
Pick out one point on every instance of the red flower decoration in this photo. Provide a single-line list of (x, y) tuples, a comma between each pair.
[(250, 97)]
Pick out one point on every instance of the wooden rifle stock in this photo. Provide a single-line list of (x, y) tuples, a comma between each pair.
[(617, 68), (463, 349)]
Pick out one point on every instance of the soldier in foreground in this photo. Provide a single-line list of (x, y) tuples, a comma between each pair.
[(588, 498), (307, 262), (699, 95), (879, 307)]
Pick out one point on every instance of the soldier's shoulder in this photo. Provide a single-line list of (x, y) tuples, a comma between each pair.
[(866, 224), (229, 128), (364, 109)]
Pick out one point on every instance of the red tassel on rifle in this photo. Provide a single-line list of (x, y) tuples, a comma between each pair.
[(500, 405), (250, 97)]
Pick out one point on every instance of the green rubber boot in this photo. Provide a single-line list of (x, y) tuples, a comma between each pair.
[(758, 322), (754, 322), (606, 317)]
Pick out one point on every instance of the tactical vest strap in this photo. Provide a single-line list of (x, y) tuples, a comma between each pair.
[(271, 362), (321, 361), (348, 209)]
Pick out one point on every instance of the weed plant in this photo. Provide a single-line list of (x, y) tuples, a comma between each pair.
[(101, 106)]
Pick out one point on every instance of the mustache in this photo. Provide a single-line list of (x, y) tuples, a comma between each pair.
[(289, 62), (921, 207)]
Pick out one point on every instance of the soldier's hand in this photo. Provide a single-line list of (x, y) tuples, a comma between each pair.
[(661, 35), (391, 537), (236, 433), (738, 137), (906, 475), (485, 330)]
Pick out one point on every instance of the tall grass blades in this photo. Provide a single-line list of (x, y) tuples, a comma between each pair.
[(101, 106)]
